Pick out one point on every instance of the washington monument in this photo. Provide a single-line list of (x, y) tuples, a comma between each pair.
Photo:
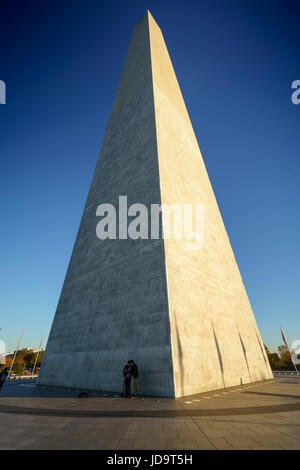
[(182, 315)]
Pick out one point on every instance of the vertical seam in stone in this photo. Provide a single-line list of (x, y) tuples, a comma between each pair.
[(163, 242)]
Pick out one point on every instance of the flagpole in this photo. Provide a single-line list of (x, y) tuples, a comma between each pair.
[(285, 341), (37, 355), (18, 345)]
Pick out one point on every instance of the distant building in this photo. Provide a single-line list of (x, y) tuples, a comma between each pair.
[(29, 350)]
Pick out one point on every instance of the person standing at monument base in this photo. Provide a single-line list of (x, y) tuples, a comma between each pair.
[(128, 371), (135, 374)]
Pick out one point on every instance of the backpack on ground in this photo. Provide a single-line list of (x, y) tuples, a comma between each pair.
[(84, 395)]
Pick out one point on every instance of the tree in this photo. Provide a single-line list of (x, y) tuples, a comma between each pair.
[(19, 360), (29, 359), (273, 359), (283, 349), (18, 370), (8, 361), (285, 361)]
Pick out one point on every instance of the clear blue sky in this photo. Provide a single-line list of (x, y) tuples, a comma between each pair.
[(235, 62)]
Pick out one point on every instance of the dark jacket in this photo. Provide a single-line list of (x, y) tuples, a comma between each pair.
[(135, 371), (125, 370)]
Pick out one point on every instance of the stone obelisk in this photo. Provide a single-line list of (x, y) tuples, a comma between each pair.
[(182, 315)]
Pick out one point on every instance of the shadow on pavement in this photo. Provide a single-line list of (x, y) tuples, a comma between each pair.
[(273, 394), (175, 413)]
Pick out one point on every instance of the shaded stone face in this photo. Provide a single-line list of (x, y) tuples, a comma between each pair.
[(183, 316)]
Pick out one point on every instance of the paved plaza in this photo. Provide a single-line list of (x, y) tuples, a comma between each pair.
[(263, 415)]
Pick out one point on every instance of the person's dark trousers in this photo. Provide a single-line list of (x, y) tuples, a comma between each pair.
[(127, 386), (1, 384), (123, 393)]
